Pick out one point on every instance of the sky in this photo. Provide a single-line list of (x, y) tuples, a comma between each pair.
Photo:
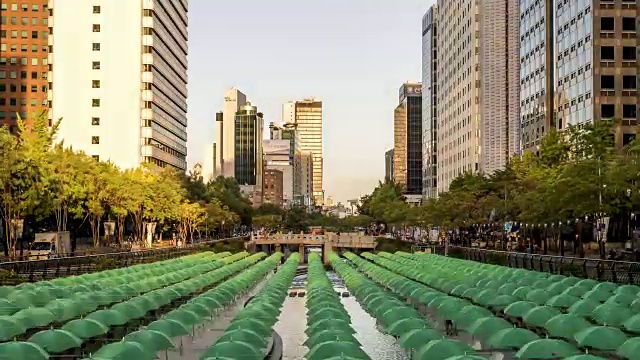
[(352, 54)]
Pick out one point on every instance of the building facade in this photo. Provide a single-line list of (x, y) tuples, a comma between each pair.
[(388, 166), (307, 115), (273, 192), (597, 64), (429, 108), (407, 162), (248, 153), (287, 131), (234, 100), (24, 59), (120, 74), (277, 156)]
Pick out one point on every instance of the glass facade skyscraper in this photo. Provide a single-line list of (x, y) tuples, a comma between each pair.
[(248, 155), (429, 104), (408, 139)]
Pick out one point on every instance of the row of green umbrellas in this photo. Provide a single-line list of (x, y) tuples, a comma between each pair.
[(75, 332), (81, 304), (248, 335), (399, 319), (477, 319), (329, 331)]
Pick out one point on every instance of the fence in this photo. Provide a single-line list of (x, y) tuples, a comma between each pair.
[(622, 272), (35, 270)]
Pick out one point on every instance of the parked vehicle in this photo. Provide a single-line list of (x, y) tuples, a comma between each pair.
[(50, 245)]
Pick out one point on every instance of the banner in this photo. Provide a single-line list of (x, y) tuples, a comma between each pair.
[(151, 228), (109, 228), (17, 227)]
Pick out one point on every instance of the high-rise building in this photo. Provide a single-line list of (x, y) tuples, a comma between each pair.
[(597, 64), (120, 74), (388, 165), (478, 103), (208, 163), (24, 59), (248, 153), (407, 147), (288, 132), (537, 68), (429, 108), (273, 192), (234, 100), (307, 115), (277, 156)]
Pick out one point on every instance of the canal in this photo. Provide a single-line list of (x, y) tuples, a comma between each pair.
[(293, 322)]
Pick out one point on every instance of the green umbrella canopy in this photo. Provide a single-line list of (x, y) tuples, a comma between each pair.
[(169, 327), (584, 357), (8, 308), (35, 317), (442, 349), (244, 335), (451, 306), (10, 327), (513, 338), (547, 349), (85, 328), (622, 289), (577, 291), (519, 308), (610, 314), (566, 326), (211, 303), (394, 315), (583, 307), (335, 313), (330, 336), (124, 350), (22, 350), (539, 316), (129, 309), (483, 328), (621, 299), (64, 309), (414, 339), (328, 349), (254, 325), (562, 301), (601, 338), (469, 314), (630, 349), (184, 316), (233, 350), (199, 309), (55, 341), (606, 286), (403, 326), (329, 324), (598, 295), (109, 317), (522, 292), (6, 290), (152, 340)]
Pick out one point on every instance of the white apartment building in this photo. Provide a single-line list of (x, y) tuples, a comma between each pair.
[(234, 99), (119, 79)]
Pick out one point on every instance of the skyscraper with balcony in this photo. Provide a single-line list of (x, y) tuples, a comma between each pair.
[(24, 59), (407, 147), (119, 79), (429, 107)]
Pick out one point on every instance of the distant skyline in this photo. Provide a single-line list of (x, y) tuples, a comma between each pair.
[(353, 55)]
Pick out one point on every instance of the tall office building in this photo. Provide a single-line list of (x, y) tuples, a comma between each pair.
[(287, 131), (407, 147), (429, 108), (477, 87), (307, 115), (277, 156), (248, 152), (24, 59), (120, 74), (537, 68), (208, 163), (234, 100), (597, 64), (388, 165)]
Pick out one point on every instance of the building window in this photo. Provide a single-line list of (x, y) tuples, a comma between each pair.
[(95, 140), (629, 82), (607, 24), (607, 82), (96, 157), (95, 102), (96, 9), (95, 121), (34, 34), (95, 84), (607, 111), (628, 53), (96, 27), (628, 24), (96, 46), (629, 111), (34, 8), (96, 65), (607, 53)]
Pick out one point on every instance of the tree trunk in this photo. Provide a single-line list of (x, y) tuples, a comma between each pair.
[(120, 230), (95, 230)]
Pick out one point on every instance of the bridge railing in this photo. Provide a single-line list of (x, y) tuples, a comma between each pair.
[(35, 270), (622, 272)]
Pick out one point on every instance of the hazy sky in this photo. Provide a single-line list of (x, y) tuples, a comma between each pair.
[(352, 54)]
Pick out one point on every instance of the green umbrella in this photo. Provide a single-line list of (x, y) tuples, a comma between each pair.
[(584, 357), (124, 350), (234, 350), (519, 308), (538, 296), (566, 326), (35, 317), (403, 326), (394, 315), (109, 317), (339, 357), (254, 325), (513, 338), (562, 301), (330, 335), (539, 316), (622, 289), (485, 327), (247, 336), (502, 301), (622, 299), (329, 324), (10, 328), (328, 349), (630, 349), (601, 338), (583, 307), (598, 295), (199, 309), (55, 341), (469, 314), (338, 313), (414, 339), (171, 328), (442, 349), (8, 308), (152, 340), (129, 309), (85, 328), (184, 316), (610, 314), (6, 290), (64, 309), (22, 350), (547, 349), (577, 291)]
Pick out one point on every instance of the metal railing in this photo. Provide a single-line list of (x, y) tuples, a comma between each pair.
[(35, 270), (621, 272)]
